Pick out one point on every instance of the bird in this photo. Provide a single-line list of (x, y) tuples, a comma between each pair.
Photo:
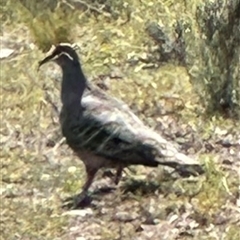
[(103, 131)]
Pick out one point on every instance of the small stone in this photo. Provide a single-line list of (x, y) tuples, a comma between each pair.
[(173, 218), (72, 169), (5, 52), (125, 216), (81, 213)]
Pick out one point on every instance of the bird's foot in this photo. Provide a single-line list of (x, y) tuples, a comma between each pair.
[(115, 177), (80, 200)]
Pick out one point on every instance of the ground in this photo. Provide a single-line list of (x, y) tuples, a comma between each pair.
[(38, 169)]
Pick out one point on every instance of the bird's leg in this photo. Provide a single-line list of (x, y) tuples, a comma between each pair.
[(118, 175), (82, 198), (91, 172)]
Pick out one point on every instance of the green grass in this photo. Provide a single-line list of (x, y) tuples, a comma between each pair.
[(36, 176)]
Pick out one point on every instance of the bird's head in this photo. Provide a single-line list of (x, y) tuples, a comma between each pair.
[(62, 54)]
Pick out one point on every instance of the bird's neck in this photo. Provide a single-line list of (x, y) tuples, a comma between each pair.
[(73, 86)]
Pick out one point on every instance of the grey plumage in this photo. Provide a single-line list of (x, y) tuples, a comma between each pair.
[(103, 131)]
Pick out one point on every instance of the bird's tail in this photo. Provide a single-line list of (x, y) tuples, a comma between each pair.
[(166, 154), (184, 165)]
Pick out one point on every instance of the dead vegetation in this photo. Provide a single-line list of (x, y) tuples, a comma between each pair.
[(38, 170)]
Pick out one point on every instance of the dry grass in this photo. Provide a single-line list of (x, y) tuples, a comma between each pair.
[(38, 172)]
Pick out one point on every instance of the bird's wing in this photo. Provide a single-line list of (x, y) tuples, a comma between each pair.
[(109, 129)]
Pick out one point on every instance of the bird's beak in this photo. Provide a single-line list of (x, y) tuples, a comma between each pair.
[(50, 57), (45, 60)]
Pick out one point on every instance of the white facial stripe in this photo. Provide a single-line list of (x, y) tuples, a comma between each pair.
[(62, 53), (73, 46), (66, 54), (66, 44)]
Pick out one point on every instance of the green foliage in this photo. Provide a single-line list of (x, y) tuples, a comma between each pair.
[(50, 22), (218, 70), (37, 173), (213, 192)]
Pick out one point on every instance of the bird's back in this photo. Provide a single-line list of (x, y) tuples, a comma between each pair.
[(109, 129)]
